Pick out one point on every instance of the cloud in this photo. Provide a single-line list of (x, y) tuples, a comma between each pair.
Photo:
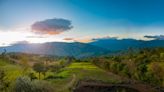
[(157, 37), (36, 37), (89, 39), (51, 26), (20, 42), (104, 38), (85, 40), (68, 39)]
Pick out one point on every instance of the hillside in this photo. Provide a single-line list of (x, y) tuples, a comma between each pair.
[(76, 76), (124, 44), (146, 65), (76, 49), (80, 50)]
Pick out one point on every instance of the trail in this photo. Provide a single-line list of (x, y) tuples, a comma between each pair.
[(12, 59), (18, 61), (70, 84)]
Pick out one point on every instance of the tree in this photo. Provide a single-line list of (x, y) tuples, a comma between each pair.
[(158, 70), (3, 84), (32, 76), (39, 67), (55, 68), (2, 80), (4, 52)]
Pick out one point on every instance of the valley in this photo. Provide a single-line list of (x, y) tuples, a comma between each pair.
[(66, 74)]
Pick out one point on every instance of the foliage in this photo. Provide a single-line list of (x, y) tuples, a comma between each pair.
[(40, 68), (2, 82), (146, 65), (24, 84), (29, 65)]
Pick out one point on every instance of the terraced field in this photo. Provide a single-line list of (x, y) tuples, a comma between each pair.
[(70, 75)]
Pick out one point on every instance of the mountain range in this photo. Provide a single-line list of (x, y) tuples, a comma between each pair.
[(75, 49), (80, 50), (124, 44)]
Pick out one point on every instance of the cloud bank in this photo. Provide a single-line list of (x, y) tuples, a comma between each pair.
[(157, 37), (103, 38), (51, 26), (90, 39)]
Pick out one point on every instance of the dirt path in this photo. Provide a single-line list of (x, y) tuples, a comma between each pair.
[(70, 84), (18, 61), (13, 60)]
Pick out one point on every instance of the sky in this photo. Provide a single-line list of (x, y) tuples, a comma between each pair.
[(39, 21)]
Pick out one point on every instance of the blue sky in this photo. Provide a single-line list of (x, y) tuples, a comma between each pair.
[(89, 18)]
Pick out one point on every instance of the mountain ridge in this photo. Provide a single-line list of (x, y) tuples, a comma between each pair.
[(75, 49), (80, 50), (124, 44)]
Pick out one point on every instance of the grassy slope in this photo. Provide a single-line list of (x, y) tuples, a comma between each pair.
[(81, 71), (12, 71), (70, 74)]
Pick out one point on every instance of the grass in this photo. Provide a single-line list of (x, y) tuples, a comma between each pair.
[(83, 65), (88, 71), (69, 75), (82, 71), (2, 63), (12, 71)]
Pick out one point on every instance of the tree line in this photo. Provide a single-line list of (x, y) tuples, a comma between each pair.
[(146, 64)]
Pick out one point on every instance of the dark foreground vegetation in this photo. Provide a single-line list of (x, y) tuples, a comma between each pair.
[(130, 71)]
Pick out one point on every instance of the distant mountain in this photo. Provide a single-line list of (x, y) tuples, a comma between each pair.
[(76, 49), (124, 44), (80, 50)]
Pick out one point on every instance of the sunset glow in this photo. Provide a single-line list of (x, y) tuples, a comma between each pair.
[(48, 21)]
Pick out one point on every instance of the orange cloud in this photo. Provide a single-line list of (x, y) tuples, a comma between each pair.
[(68, 39), (87, 40)]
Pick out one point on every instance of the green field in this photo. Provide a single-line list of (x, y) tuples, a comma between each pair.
[(65, 79), (81, 71), (12, 71)]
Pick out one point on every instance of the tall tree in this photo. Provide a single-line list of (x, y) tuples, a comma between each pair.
[(39, 67)]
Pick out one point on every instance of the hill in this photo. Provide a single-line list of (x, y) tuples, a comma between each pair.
[(124, 44), (76, 49)]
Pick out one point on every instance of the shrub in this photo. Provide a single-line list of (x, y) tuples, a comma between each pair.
[(24, 84)]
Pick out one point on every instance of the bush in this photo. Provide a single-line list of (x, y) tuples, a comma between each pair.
[(24, 84)]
